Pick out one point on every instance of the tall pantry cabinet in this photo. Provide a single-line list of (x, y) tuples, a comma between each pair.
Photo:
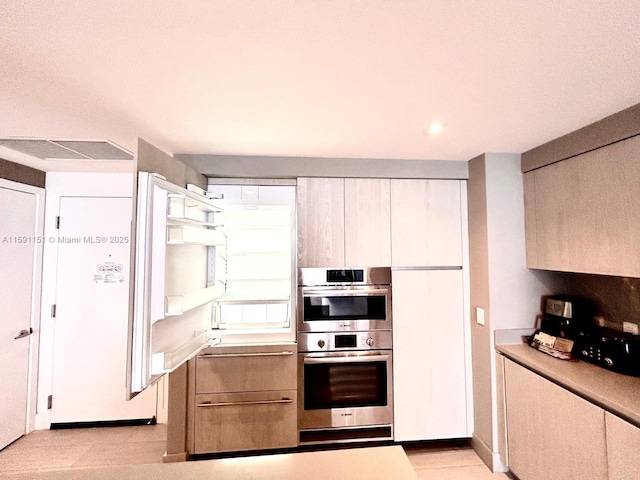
[(416, 226), (429, 334)]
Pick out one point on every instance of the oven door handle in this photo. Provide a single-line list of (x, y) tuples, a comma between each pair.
[(360, 358), (344, 291)]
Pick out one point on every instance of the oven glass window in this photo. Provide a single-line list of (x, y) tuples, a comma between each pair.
[(370, 307), (345, 385)]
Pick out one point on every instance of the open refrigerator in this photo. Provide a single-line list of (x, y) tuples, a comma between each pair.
[(207, 266)]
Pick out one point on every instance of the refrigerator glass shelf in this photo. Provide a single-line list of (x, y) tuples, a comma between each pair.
[(188, 235), (179, 304)]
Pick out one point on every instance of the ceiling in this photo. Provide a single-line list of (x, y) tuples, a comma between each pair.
[(313, 78)]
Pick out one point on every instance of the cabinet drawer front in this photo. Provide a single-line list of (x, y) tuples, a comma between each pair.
[(243, 369), (245, 421)]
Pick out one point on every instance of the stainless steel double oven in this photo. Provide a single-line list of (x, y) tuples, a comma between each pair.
[(345, 358)]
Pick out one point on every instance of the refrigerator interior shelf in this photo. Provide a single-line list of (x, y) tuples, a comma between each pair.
[(193, 200), (166, 362), (181, 220), (178, 304), (187, 235), (257, 251), (244, 300)]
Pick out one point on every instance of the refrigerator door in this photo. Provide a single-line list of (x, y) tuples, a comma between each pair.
[(172, 308)]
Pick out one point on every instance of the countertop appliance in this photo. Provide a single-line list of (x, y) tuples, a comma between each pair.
[(566, 316), (345, 359), (612, 349), (570, 317)]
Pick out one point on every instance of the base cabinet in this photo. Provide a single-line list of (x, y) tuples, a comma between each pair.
[(552, 433), (245, 421), (244, 398), (623, 443)]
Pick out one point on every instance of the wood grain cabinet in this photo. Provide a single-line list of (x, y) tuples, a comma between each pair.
[(320, 210), (367, 222), (343, 222), (623, 443), (245, 399), (552, 433), (426, 223), (581, 214)]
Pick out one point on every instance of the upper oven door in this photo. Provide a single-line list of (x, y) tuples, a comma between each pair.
[(344, 308)]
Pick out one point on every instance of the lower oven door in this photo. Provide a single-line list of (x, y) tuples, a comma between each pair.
[(346, 389)]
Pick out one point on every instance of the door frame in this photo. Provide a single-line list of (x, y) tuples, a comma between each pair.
[(58, 185), (36, 295)]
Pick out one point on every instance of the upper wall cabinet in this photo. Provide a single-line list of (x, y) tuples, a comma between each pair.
[(367, 222), (320, 209), (581, 214), (343, 222), (426, 223)]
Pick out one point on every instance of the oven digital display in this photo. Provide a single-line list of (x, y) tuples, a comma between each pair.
[(346, 341), (344, 276)]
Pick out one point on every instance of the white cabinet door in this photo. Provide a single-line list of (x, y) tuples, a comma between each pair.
[(92, 305), (367, 222), (429, 380), (18, 251), (549, 429), (426, 225)]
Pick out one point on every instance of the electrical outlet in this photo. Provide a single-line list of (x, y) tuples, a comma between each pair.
[(630, 327), (480, 316)]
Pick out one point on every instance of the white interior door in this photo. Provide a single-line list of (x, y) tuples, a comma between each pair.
[(91, 322), (18, 246)]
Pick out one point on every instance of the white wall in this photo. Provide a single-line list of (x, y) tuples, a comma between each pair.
[(501, 284), (516, 291)]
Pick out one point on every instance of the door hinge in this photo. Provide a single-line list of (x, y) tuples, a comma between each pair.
[(53, 311), (58, 222), (49, 402)]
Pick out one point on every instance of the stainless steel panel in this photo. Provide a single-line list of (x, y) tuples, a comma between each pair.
[(326, 341), (318, 276), (345, 417), (345, 324)]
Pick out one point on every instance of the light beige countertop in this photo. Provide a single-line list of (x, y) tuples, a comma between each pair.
[(370, 463), (614, 392)]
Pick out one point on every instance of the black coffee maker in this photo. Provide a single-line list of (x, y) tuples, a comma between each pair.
[(567, 316)]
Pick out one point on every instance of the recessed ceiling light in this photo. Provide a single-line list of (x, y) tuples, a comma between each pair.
[(434, 128)]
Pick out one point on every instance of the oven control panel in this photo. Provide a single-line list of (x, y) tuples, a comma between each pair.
[(338, 341)]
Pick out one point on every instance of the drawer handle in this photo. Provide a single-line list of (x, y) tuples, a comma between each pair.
[(252, 402), (258, 354)]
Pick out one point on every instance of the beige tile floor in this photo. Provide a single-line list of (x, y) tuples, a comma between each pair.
[(56, 449), (450, 464), (64, 449)]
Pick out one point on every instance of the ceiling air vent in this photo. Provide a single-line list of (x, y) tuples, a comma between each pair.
[(67, 149)]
